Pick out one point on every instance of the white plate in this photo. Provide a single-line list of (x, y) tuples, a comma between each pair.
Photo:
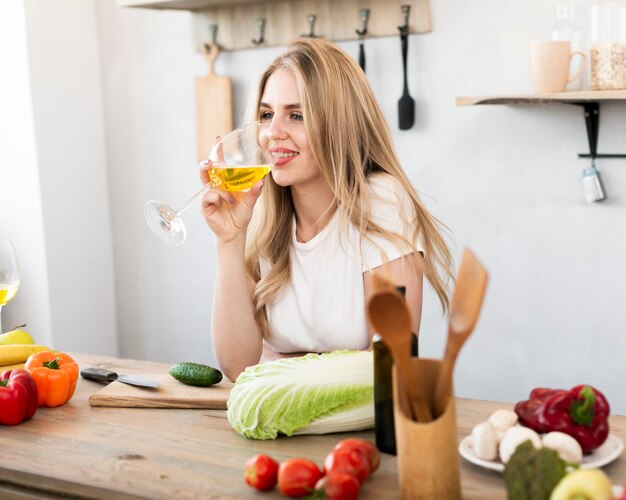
[(609, 451)]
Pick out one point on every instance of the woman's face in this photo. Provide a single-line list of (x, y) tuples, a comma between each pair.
[(281, 111)]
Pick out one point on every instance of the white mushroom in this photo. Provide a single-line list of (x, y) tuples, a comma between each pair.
[(485, 441), (502, 420), (565, 445), (514, 437)]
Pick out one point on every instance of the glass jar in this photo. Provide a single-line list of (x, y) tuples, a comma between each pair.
[(608, 46), (568, 26)]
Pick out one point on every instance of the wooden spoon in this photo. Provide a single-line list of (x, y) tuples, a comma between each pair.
[(389, 315), (466, 303)]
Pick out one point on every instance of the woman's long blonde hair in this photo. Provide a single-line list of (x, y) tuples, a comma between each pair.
[(350, 140)]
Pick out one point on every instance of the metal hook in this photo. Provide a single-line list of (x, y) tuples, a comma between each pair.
[(406, 9), (260, 22), (365, 16), (311, 18), (213, 30), (209, 46)]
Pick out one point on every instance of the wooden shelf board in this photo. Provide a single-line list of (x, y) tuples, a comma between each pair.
[(546, 98), (192, 5), (287, 20)]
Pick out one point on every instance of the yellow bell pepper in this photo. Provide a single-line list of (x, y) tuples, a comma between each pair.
[(591, 484)]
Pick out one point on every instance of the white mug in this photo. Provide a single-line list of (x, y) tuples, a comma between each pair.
[(550, 65)]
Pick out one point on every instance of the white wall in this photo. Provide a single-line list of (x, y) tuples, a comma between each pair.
[(21, 215), (506, 180), (60, 218)]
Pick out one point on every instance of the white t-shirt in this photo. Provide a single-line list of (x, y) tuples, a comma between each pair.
[(322, 307)]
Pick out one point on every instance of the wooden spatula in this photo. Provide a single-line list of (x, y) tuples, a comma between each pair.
[(467, 300), (389, 315)]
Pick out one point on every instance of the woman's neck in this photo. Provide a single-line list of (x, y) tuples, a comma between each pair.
[(314, 209)]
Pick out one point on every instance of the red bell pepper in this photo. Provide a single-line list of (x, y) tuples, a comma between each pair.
[(527, 411), (582, 412), (18, 397)]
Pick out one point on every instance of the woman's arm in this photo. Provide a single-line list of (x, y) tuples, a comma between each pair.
[(235, 334), (401, 272)]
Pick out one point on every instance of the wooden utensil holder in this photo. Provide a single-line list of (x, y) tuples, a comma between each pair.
[(428, 458)]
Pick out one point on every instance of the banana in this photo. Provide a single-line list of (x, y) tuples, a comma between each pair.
[(18, 353), (18, 366)]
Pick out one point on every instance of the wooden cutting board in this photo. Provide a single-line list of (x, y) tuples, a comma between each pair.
[(170, 394), (214, 106)]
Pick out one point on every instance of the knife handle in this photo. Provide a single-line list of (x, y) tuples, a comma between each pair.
[(99, 375)]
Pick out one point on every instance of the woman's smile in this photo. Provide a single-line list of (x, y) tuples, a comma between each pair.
[(282, 156)]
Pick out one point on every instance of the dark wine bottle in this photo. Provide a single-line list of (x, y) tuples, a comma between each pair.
[(383, 391)]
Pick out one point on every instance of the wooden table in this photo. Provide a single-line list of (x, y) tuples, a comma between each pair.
[(79, 451)]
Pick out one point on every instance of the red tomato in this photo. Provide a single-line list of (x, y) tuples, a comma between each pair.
[(338, 486), (297, 477), (261, 472), (366, 447), (350, 461)]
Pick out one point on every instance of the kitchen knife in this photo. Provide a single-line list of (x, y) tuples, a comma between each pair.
[(103, 375)]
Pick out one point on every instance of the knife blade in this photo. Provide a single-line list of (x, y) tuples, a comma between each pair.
[(106, 376)]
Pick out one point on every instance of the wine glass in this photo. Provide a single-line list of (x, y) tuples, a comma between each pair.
[(238, 161), (9, 274)]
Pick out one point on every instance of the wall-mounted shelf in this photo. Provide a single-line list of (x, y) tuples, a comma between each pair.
[(571, 97), (186, 4), (589, 100), (286, 20)]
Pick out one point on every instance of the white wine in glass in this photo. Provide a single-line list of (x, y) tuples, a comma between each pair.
[(9, 274), (238, 161)]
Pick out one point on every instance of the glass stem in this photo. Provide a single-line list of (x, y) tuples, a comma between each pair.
[(191, 200)]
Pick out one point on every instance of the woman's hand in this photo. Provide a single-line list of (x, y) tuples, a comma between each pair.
[(227, 214)]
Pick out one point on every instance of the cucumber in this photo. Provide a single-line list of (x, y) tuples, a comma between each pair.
[(196, 374)]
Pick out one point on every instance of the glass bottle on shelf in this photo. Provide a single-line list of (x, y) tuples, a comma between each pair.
[(608, 45)]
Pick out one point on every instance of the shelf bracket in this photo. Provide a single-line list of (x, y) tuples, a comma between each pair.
[(592, 122)]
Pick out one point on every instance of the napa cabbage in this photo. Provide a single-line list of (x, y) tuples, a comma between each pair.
[(311, 394)]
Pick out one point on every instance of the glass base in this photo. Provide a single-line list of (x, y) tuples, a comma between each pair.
[(165, 223)]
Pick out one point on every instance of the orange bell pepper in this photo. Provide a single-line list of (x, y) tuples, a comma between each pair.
[(55, 374)]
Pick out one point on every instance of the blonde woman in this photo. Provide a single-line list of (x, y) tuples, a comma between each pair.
[(295, 254)]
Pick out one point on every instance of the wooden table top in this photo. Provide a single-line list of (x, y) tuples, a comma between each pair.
[(80, 451)]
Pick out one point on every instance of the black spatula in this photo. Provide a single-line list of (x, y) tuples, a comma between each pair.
[(362, 55), (406, 104), (365, 15)]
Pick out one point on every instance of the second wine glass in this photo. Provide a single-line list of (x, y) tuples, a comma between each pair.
[(9, 274), (238, 161)]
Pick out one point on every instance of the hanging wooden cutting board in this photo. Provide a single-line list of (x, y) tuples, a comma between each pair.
[(169, 394), (214, 106)]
